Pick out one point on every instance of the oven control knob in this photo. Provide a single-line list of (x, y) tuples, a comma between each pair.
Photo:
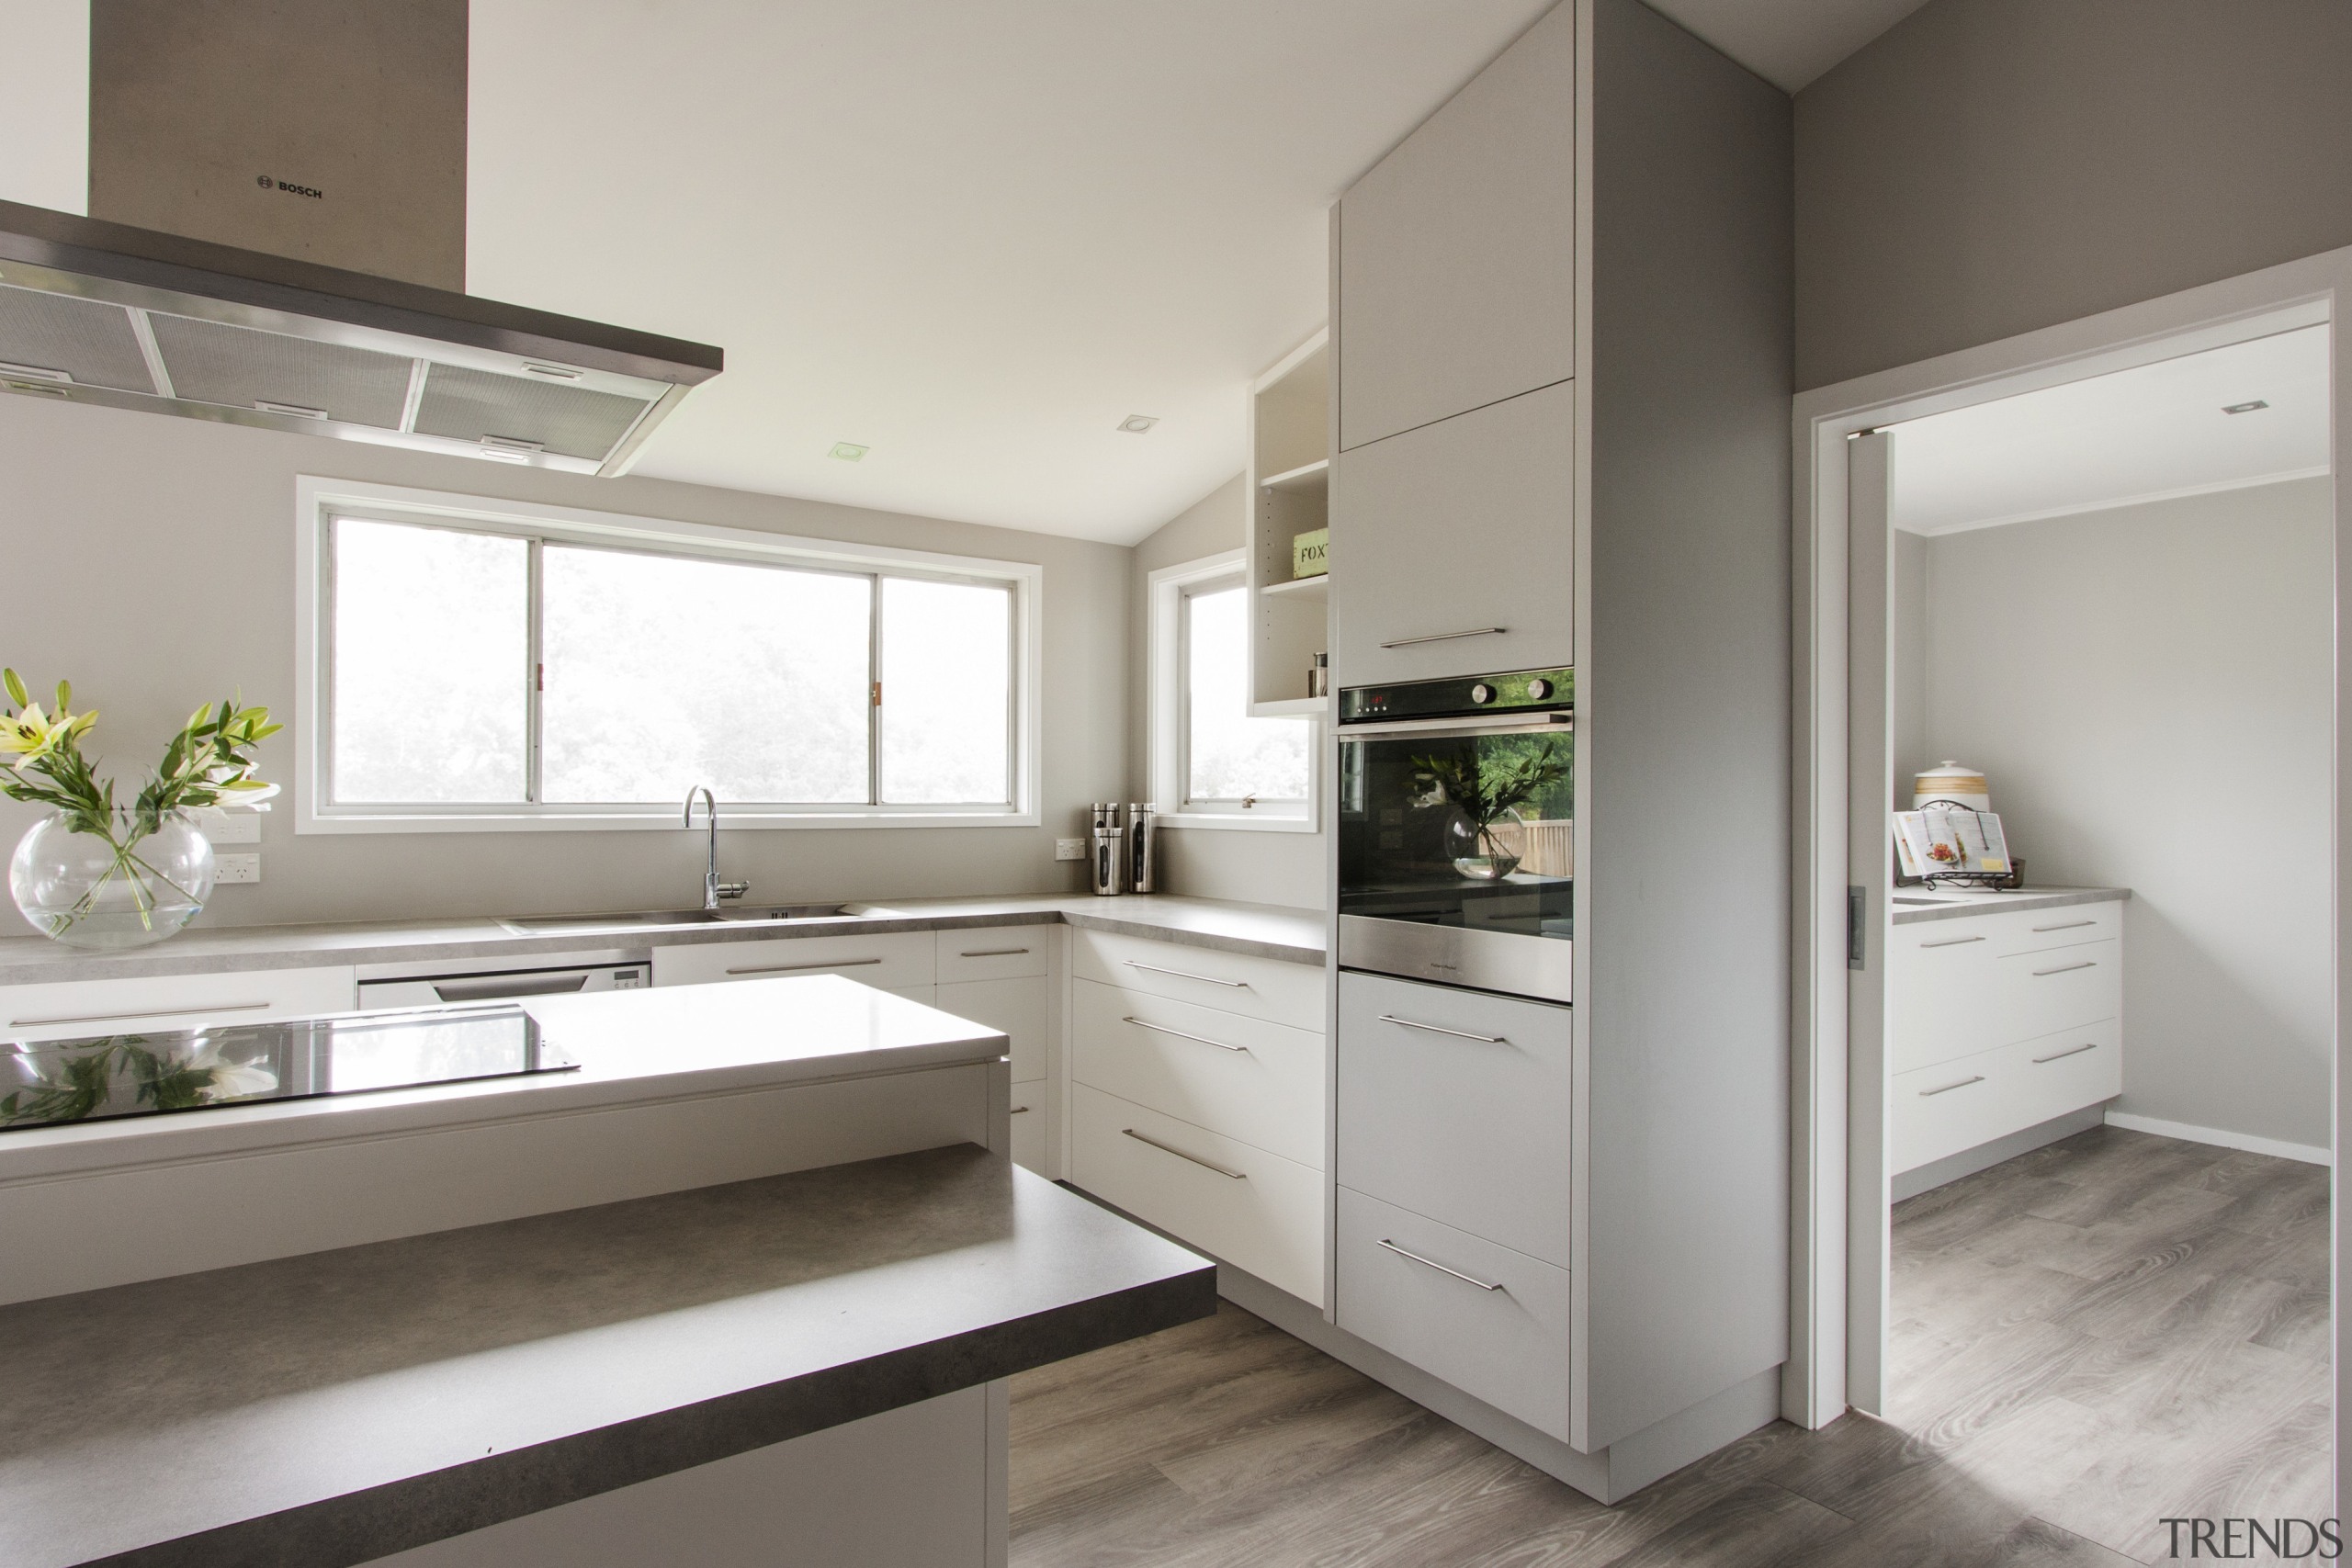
[(1539, 688), (1482, 693)]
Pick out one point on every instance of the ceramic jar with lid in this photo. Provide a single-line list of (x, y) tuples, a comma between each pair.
[(1950, 781)]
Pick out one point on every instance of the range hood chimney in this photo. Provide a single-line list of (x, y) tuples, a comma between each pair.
[(276, 239)]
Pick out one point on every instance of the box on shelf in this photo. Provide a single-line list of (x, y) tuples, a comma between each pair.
[(1306, 553)]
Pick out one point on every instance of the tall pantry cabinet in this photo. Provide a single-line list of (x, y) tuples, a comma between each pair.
[(1560, 357)]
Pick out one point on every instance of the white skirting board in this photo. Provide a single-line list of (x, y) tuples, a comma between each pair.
[(2309, 1154)]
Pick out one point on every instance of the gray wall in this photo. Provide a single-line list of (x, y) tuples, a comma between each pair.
[(1990, 166), (1210, 862), (164, 552), (2128, 675)]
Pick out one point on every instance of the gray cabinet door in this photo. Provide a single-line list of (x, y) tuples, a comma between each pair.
[(1454, 545), (1457, 251), (1454, 1104)]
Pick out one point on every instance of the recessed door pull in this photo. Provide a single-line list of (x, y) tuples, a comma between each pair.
[(1436, 1265), (2062, 1056), (788, 968), (1952, 942), (1188, 974), (151, 1012), (1016, 1111), (1441, 1029), (1446, 637), (1172, 1149), (1949, 1087), (994, 953), (2064, 926), (2063, 968), (1163, 1029)]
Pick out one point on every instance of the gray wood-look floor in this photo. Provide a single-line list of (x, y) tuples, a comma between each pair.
[(2089, 1337)]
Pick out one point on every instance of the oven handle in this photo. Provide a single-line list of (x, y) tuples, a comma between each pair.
[(1552, 722)]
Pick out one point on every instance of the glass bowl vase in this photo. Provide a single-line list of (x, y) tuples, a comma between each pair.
[(1488, 852), (111, 880)]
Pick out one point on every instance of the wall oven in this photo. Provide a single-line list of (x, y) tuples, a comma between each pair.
[(1457, 806)]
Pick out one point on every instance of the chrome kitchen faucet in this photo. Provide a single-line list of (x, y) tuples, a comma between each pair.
[(713, 890)]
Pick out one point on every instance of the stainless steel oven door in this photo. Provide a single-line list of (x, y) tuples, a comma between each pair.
[(1456, 858)]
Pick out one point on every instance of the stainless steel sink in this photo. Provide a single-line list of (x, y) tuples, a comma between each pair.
[(662, 919)]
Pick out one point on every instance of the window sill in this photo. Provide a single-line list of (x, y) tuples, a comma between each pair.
[(1238, 821), (665, 821)]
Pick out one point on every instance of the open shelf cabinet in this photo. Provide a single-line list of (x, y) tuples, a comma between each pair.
[(1289, 494)]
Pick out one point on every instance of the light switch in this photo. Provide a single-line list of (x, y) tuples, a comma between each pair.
[(234, 828), (1070, 848), (235, 868)]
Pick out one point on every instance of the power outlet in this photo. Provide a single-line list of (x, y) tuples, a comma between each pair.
[(1070, 848), (234, 828), (235, 868)]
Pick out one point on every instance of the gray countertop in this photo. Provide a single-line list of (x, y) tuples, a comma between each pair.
[(1930, 905), (1266, 930), (341, 1405)]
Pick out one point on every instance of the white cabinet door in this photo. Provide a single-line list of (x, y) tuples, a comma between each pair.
[(1015, 1006), (888, 961), (1269, 989), (1454, 1104), (1457, 251), (1243, 1076), (994, 953), (66, 1010), (1940, 992), (1255, 1210), (1031, 1146), (1453, 547)]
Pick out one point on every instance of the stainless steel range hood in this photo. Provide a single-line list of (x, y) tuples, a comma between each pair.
[(99, 313)]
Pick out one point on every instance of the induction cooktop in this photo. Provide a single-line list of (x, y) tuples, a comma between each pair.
[(45, 1083)]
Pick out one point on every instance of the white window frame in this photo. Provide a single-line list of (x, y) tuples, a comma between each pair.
[(1165, 591), (318, 499)]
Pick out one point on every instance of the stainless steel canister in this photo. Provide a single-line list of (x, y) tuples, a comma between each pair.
[(1107, 864), (1143, 852)]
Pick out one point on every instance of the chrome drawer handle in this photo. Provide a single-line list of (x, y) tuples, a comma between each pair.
[(1172, 1149), (1163, 1029), (1441, 1029), (788, 968), (2064, 926), (491, 990), (1436, 1265), (151, 1012), (1949, 1087), (1188, 974), (1951, 941), (2062, 1056), (994, 953), (1446, 637), (2063, 968)]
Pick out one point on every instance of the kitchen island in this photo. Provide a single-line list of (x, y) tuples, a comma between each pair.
[(352, 1328)]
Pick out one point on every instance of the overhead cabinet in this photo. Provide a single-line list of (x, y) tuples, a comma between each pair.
[(1457, 251), (1459, 553)]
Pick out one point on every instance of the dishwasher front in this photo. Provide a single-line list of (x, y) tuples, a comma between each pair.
[(476, 985)]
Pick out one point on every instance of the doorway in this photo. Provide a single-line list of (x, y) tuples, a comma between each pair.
[(1859, 1158)]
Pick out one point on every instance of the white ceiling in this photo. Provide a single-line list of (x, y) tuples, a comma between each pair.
[(2141, 435), (971, 237)]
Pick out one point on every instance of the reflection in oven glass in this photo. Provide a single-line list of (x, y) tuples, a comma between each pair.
[(1460, 830)]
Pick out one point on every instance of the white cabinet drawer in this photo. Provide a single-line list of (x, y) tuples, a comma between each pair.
[(2063, 988), (1490, 1321), (992, 952), (1253, 1209), (2034, 930), (1231, 982), (1029, 1141), (1940, 1003), (1242, 1076), (1941, 1110), (1015, 1006), (888, 959), (1455, 1104), (63, 1009)]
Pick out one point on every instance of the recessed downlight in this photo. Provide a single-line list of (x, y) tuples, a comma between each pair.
[(848, 451), (2243, 408), (1138, 423)]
